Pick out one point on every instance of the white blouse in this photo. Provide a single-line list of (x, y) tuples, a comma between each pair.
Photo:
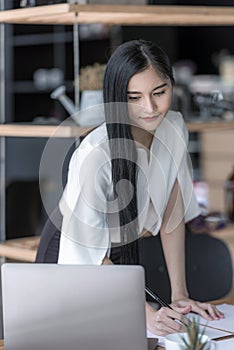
[(90, 212)]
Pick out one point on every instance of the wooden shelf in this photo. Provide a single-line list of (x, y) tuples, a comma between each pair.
[(14, 130), (22, 249), (210, 126), (121, 15), (64, 131)]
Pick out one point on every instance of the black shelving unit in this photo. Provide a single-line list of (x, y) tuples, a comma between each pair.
[(30, 49)]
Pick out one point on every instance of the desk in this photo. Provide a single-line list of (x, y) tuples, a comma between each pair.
[(221, 301)]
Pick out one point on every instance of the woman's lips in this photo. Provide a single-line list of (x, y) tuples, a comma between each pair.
[(150, 118)]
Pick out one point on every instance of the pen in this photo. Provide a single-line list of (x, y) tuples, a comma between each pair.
[(157, 298), (161, 302)]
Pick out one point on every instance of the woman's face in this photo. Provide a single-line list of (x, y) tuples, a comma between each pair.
[(149, 97)]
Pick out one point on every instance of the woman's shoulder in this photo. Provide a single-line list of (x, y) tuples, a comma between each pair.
[(95, 137), (94, 147), (96, 140), (175, 120), (172, 130)]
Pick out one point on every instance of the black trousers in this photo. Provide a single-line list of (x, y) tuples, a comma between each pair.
[(115, 254)]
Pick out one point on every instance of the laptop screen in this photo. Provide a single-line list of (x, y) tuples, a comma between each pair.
[(72, 307)]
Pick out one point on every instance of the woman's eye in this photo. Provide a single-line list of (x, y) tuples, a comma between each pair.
[(159, 93), (133, 98)]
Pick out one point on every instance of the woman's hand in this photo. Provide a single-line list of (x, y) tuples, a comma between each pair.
[(206, 310), (165, 320)]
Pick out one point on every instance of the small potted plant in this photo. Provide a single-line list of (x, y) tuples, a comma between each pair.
[(194, 338), (91, 77), (91, 80)]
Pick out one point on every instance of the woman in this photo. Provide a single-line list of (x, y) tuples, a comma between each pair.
[(130, 178)]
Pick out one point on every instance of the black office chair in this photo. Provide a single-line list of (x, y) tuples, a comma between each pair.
[(208, 261), (48, 248), (23, 208), (208, 266)]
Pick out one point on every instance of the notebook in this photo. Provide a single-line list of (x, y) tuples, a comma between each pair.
[(73, 307)]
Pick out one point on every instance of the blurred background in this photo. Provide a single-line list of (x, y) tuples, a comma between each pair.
[(40, 60)]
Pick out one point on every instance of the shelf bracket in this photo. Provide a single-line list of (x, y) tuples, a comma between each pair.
[(2, 139), (76, 60)]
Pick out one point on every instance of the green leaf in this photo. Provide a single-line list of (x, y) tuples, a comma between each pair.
[(194, 333)]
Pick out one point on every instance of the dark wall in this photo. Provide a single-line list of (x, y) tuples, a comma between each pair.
[(198, 43)]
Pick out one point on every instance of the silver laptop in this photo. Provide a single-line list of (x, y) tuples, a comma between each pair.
[(73, 307)]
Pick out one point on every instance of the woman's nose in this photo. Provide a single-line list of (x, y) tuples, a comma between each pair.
[(149, 105)]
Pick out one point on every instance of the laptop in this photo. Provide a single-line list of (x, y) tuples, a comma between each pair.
[(73, 307)]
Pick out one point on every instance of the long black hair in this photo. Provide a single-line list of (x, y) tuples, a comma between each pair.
[(128, 59)]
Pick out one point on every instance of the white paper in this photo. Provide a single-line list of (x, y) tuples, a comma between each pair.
[(226, 323), (160, 338), (227, 344), (223, 325)]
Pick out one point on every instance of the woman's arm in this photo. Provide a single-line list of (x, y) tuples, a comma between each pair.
[(107, 261), (173, 242), (85, 233)]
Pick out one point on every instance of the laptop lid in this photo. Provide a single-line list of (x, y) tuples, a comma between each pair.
[(73, 307)]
